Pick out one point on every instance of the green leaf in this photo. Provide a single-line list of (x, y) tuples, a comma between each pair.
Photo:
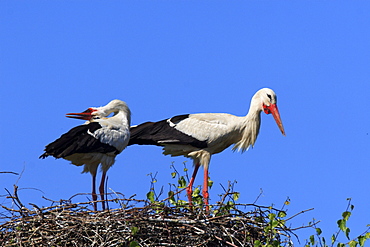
[(182, 202), (134, 230), (171, 197), (173, 174), (312, 240), (275, 243), (346, 215), (353, 243), (236, 196), (342, 225), (318, 231), (341, 245), (281, 214), (271, 216), (134, 244), (150, 196), (361, 240), (198, 200), (347, 232), (181, 182), (196, 192), (333, 239), (257, 243), (210, 183), (274, 223), (324, 241)]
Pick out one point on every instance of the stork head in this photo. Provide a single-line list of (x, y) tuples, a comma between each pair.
[(100, 112), (267, 100), (89, 114)]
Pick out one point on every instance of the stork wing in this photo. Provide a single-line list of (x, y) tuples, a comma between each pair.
[(207, 126), (78, 140), (197, 130), (162, 133)]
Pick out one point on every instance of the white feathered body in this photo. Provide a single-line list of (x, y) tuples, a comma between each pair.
[(218, 130), (98, 141)]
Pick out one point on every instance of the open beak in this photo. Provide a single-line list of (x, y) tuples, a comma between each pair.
[(273, 109), (85, 115)]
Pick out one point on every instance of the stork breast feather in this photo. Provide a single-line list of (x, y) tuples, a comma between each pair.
[(117, 138)]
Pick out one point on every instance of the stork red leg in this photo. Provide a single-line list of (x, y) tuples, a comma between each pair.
[(205, 188), (199, 136), (93, 194), (189, 189), (101, 189), (94, 143)]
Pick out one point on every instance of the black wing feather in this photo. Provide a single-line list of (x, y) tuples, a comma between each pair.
[(161, 133), (77, 140)]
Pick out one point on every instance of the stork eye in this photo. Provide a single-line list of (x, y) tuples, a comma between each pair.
[(89, 110), (268, 95)]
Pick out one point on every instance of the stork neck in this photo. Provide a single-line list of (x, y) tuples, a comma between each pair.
[(249, 129), (252, 122), (123, 116), (121, 119)]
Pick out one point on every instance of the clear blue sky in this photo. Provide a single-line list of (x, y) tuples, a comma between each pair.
[(166, 58)]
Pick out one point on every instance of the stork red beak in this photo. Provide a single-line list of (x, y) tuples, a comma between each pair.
[(85, 115), (273, 109)]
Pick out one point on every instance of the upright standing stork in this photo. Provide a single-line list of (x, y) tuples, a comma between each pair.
[(98, 141), (198, 136)]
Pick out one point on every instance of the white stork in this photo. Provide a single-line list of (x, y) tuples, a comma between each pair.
[(198, 136), (98, 141)]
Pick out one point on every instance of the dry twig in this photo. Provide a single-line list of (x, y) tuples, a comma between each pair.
[(73, 224)]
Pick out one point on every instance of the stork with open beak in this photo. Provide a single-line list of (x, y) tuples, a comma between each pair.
[(198, 136), (98, 141)]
